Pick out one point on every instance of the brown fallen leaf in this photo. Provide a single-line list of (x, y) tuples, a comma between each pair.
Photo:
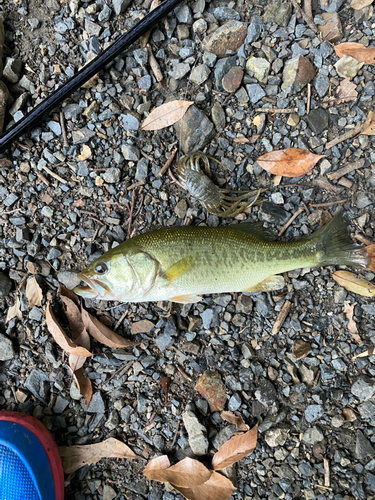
[(83, 340), (34, 293), (166, 115), (241, 140), (85, 153), (60, 336), (165, 382), (74, 316), (347, 91), (237, 420), (75, 457), (360, 4), (369, 125), (211, 387), (218, 487), (236, 448), (370, 249), (102, 333), (69, 293), (187, 473), (354, 283), (352, 326), (83, 383), (290, 162), (143, 326), (14, 311), (356, 50)]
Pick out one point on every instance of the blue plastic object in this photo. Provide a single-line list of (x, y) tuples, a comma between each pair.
[(25, 470)]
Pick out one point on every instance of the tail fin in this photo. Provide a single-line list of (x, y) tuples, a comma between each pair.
[(334, 246)]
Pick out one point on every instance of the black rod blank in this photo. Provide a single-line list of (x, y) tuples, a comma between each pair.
[(101, 60)]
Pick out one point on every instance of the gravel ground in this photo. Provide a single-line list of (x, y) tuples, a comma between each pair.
[(315, 403)]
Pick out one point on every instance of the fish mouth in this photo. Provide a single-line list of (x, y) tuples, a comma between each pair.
[(93, 288)]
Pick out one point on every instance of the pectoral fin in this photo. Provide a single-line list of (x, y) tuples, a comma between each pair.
[(186, 299), (179, 268), (268, 285)]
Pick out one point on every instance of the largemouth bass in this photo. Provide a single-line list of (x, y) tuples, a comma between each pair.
[(182, 263)]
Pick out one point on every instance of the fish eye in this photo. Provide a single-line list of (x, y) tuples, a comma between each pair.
[(101, 268)]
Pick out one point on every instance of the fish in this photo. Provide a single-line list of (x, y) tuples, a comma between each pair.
[(182, 263)]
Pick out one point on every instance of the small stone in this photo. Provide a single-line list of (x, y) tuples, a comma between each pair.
[(197, 433), (221, 69), (183, 14), (181, 209), (6, 348), (200, 26), (332, 29), (363, 199), (276, 436), (194, 130), (348, 67), (72, 111), (234, 402), (19, 103), (55, 127), (142, 403), (232, 80), (60, 404), (218, 116), (108, 492), (230, 36), (297, 73), (331, 5), (318, 120), (112, 175), (260, 67), (207, 316), (279, 13), (12, 70), (5, 285), (301, 349), (69, 279), (200, 74), (145, 82), (164, 341), (293, 120), (322, 84), (130, 152), (113, 420), (38, 384), (141, 56), (105, 13), (312, 436), (255, 29), (266, 393), (363, 388), (224, 13), (83, 135), (313, 412), (179, 71), (142, 169), (255, 91), (96, 404), (120, 6), (363, 447), (130, 122)]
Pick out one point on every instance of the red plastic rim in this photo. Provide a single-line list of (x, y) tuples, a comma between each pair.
[(45, 437)]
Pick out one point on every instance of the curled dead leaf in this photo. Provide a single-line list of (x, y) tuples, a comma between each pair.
[(369, 125), (143, 326), (14, 311), (354, 283), (356, 50), (166, 115), (83, 383), (74, 316), (351, 326), (235, 448), (75, 457), (185, 474), (237, 420), (83, 340), (60, 336), (218, 487), (102, 333), (290, 162), (370, 249), (34, 293)]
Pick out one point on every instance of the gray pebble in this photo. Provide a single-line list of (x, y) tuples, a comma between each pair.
[(255, 91), (312, 436), (197, 433), (6, 348), (255, 29), (96, 404), (60, 404), (183, 14), (130, 152), (224, 14), (363, 388), (12, 70), (313, 412), (55, 127), (145, 82), (142, 169), (38, 384), (112, 175), (234, 402), (130, 122), (5, 285), (69, 279)]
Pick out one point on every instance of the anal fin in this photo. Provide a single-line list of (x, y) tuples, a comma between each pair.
[(269, 284), (186, 299), (179, 268)]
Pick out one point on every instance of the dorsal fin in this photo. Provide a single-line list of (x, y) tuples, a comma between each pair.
[(255, 229)]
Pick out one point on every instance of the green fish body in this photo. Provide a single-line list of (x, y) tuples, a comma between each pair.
[(182, 263)]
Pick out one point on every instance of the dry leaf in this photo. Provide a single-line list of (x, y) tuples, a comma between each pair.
[(69, 293), (60, 336), (165, 115), (368, 353), (237, 420), (75, 457), (211, 387), (290, 162), (165, 382), (236, 448), (34, 293), (347, 91), (356, 50), (354, 283), (102, 333), (76, 362), (85, 153), (370, 249), (218, 487), (352, 326), (241, 140), (14, 311), (83, 383), (360, 4), (188, 473), (369, 125), (143, 326), (74, 316)]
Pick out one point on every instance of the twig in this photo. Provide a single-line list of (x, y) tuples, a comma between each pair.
[(63, 130), (121, 371), (118, 323), (281, 317), (154, 64), (350, 167), (96, 220), (308, 9), (299, 211), (306, 18), (11, 211), (131, 210), (308, 98), (278, 110), (144, 38), (136, 185), (328, 204), (327, 481), (55, 176), (348, 135), (43, 178), (168, 163)]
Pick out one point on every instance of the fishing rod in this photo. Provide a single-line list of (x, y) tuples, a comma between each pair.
[(51, 102)]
